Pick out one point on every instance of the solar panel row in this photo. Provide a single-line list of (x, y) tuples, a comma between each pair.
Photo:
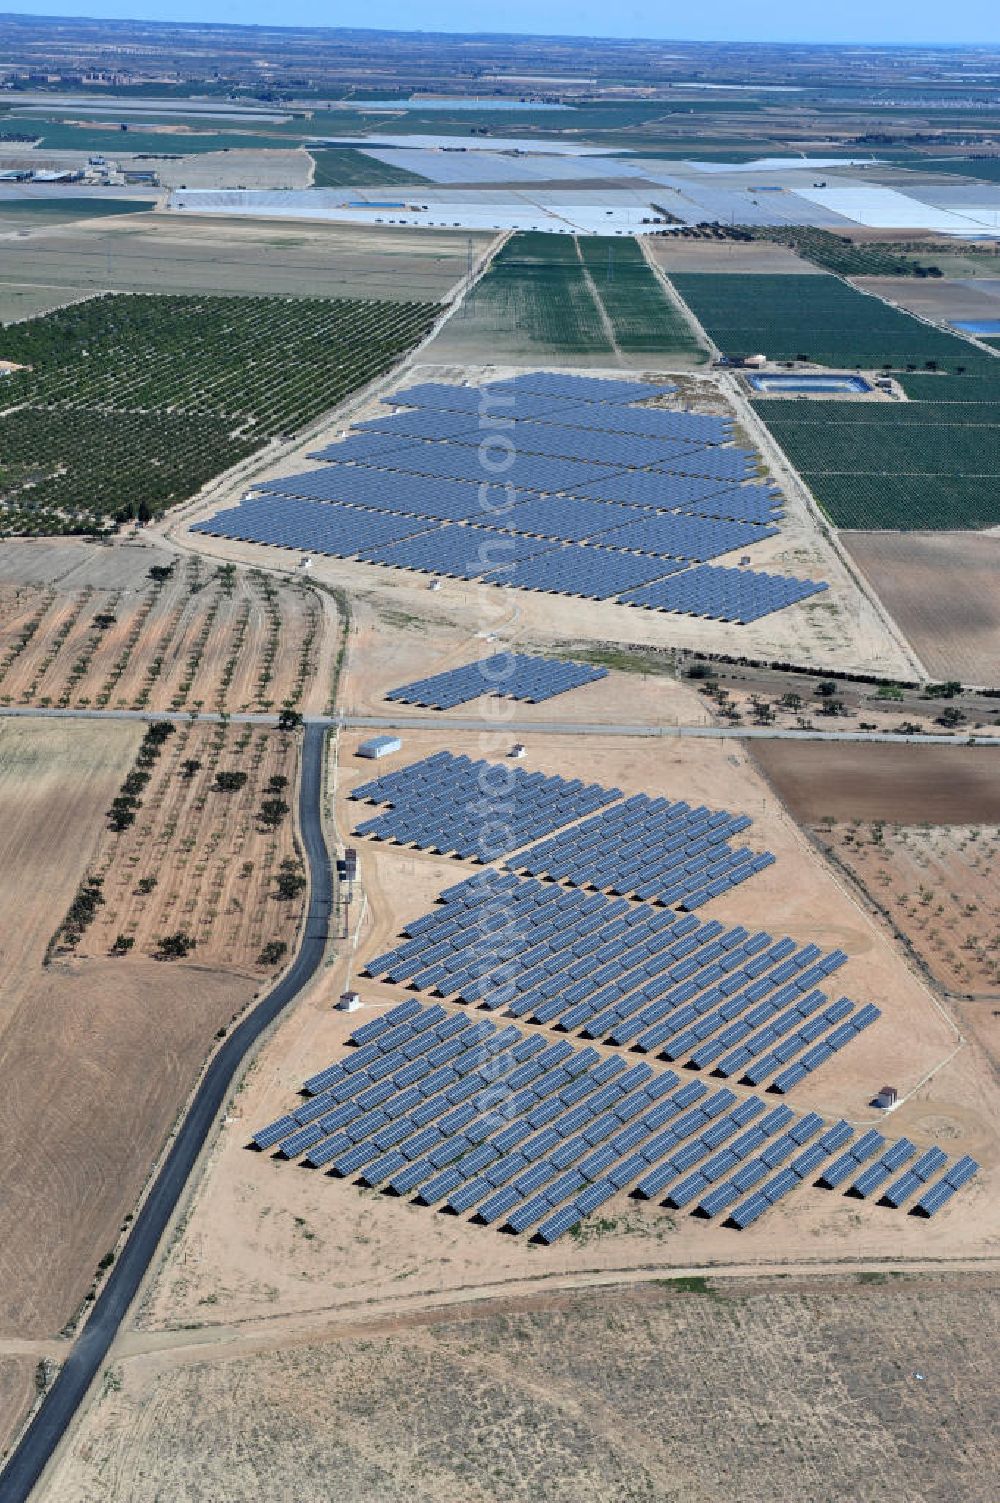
[(437, 804), (508, 674)]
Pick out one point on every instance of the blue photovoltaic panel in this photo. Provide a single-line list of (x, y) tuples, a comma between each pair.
[(459, 553), (530, 472), (388, 491), (435, 805), (723, 594), (564, 517), (693, 428), (339, 531), (648, 490), (570, 569), (559, 463), (582, 388), (682, 536), (510, 675)]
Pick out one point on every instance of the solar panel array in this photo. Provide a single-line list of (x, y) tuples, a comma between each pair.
[(437, 804), (485, 1121), (652, 848), (510, 675), (723, 594), (566, 459), (661, 982)]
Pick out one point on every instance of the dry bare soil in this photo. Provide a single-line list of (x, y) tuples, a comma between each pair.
[(765, 1395), (899, 784), (943, 591), (237, 255)]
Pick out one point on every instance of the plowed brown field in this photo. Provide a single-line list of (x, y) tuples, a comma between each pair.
[(943, 591), (901, 784)]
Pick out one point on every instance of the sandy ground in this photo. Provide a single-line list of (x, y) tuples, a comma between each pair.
[(943, 588), (939, 887), (17, 1394), (841, 628), (95, 1057), (267, 1239), (281, 168), (677, 254), (102, 633), (760, 1394), (898, 784), (253, 256)]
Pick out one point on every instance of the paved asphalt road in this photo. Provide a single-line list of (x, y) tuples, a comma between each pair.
[(91, 1348), (513, 727)]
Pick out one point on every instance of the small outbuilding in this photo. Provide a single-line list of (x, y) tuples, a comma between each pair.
[(379, 747), (886, 1098), (348, 1002)]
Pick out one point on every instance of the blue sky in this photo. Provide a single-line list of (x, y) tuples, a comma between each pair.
[(961, 22)]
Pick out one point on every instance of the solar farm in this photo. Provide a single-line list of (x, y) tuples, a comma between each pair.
[(567, 1025), (560, 484)]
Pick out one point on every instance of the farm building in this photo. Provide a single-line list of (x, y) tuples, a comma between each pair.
[(380, 746)]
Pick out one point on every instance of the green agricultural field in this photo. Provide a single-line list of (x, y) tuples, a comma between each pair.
[(108, 137), (912, 466), (344, 167), (561, 295), (644, 319), (41, 213), (982, 387), (132, 403), (818, 318), (986, 169), (536, 289)]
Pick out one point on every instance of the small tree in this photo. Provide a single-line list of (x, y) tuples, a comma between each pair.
[(189, 767), (289, 720), (175, 946), (272, 812), (123, 943), (230, 782), (825, 688), (274, 951), (289, 881)]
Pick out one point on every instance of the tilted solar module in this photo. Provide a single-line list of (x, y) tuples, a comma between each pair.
[(511, 675), (723, 594), (592, 573), (575, 388), (340, 531), (680, 536)]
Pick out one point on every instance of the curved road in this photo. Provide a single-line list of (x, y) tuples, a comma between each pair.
[(39, 1441)]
